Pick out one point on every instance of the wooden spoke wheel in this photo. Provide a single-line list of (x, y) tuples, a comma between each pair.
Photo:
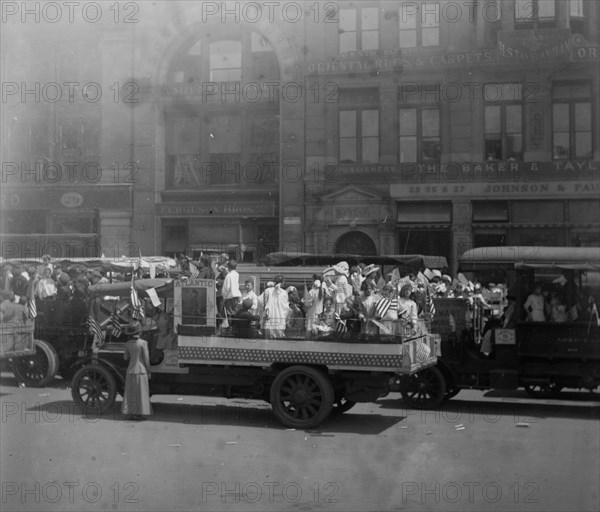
[(94, 388), (39, 369), (423, 390), (301, 396)]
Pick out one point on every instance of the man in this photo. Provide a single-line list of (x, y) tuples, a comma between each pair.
[(244, 322), (248, 293), (8, 277), (231, 289)]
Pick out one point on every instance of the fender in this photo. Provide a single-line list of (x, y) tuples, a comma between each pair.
[(450, 375), (87, 360)]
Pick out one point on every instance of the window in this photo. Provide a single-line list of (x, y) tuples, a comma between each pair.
[(571, 121), (359, 29), (428, 212), (420, 25), (490, 211), (503, 123), (359, 136), (225, 61), (535, 14)]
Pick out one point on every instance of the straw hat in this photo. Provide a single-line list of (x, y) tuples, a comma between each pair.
[(370, 269), (132, 328)]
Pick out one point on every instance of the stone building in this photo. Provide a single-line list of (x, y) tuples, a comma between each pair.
[(374, 127)]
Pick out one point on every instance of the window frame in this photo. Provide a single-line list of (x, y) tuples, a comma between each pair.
[(503, 104), (358, 135), (571, 103), (358, 29), (420, 108), (534, 21), (420, 26)]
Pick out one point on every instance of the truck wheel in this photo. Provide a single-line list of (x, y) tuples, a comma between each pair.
[(301, 397), (423, 390), (39, 369), (94, 388)]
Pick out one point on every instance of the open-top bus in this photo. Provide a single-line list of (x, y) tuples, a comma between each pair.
[(544, 353), (304, 380)]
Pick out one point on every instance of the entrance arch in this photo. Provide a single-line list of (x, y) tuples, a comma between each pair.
[(356, 242)]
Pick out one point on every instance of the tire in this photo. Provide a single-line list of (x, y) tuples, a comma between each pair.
[(94, 388), (342, 405), (548, 389), (39, 369), (301, 397), (423, 390)]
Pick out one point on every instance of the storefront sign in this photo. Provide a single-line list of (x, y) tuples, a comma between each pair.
[(50, 198), (218, 209), (552, 45), (71, 199), (457, 172), (396, 60), (292, 220), (547, 189)]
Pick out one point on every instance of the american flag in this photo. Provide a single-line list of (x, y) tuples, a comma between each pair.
[(430, 304), (136, 303), (381, 308), (32, 307), (95, 329), (194, 272), (306, 293), (116, 325), (423, 352), (341, 326)]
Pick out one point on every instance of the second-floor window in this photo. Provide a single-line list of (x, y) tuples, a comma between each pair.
[(359, 136), (419, 134), (571, 121), (503, 121), (419, 24), (535, 13), (359, 29)]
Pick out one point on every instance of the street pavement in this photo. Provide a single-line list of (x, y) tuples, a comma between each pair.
[(481, 451)]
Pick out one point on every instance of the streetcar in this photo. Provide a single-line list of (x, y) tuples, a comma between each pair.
[(304, 380)]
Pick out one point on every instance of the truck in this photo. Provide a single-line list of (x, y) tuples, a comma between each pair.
[(304, 380), (561, 349)]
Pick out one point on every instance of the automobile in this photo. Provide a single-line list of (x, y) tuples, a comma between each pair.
[(543, 357), (304, 380)]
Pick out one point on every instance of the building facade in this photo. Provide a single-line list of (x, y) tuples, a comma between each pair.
[(374, 127)]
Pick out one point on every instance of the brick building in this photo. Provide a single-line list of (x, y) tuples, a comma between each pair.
[(371, 127)]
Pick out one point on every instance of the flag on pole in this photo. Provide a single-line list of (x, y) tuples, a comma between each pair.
[(306, 296), (194, 272), (395, 277), (136, 303), (430, 304), (423, 352), (95, 329)]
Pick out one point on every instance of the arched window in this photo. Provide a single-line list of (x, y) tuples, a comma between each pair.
[(356, 242), (226, 61)]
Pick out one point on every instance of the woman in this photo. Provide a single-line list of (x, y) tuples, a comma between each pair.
[(136, 398), (313, 303), (534, 305), (387, 309), (277, 308), (295, 320), (407, 310), (367, 308)]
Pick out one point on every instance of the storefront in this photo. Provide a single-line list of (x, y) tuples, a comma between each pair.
[(66, 223)]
